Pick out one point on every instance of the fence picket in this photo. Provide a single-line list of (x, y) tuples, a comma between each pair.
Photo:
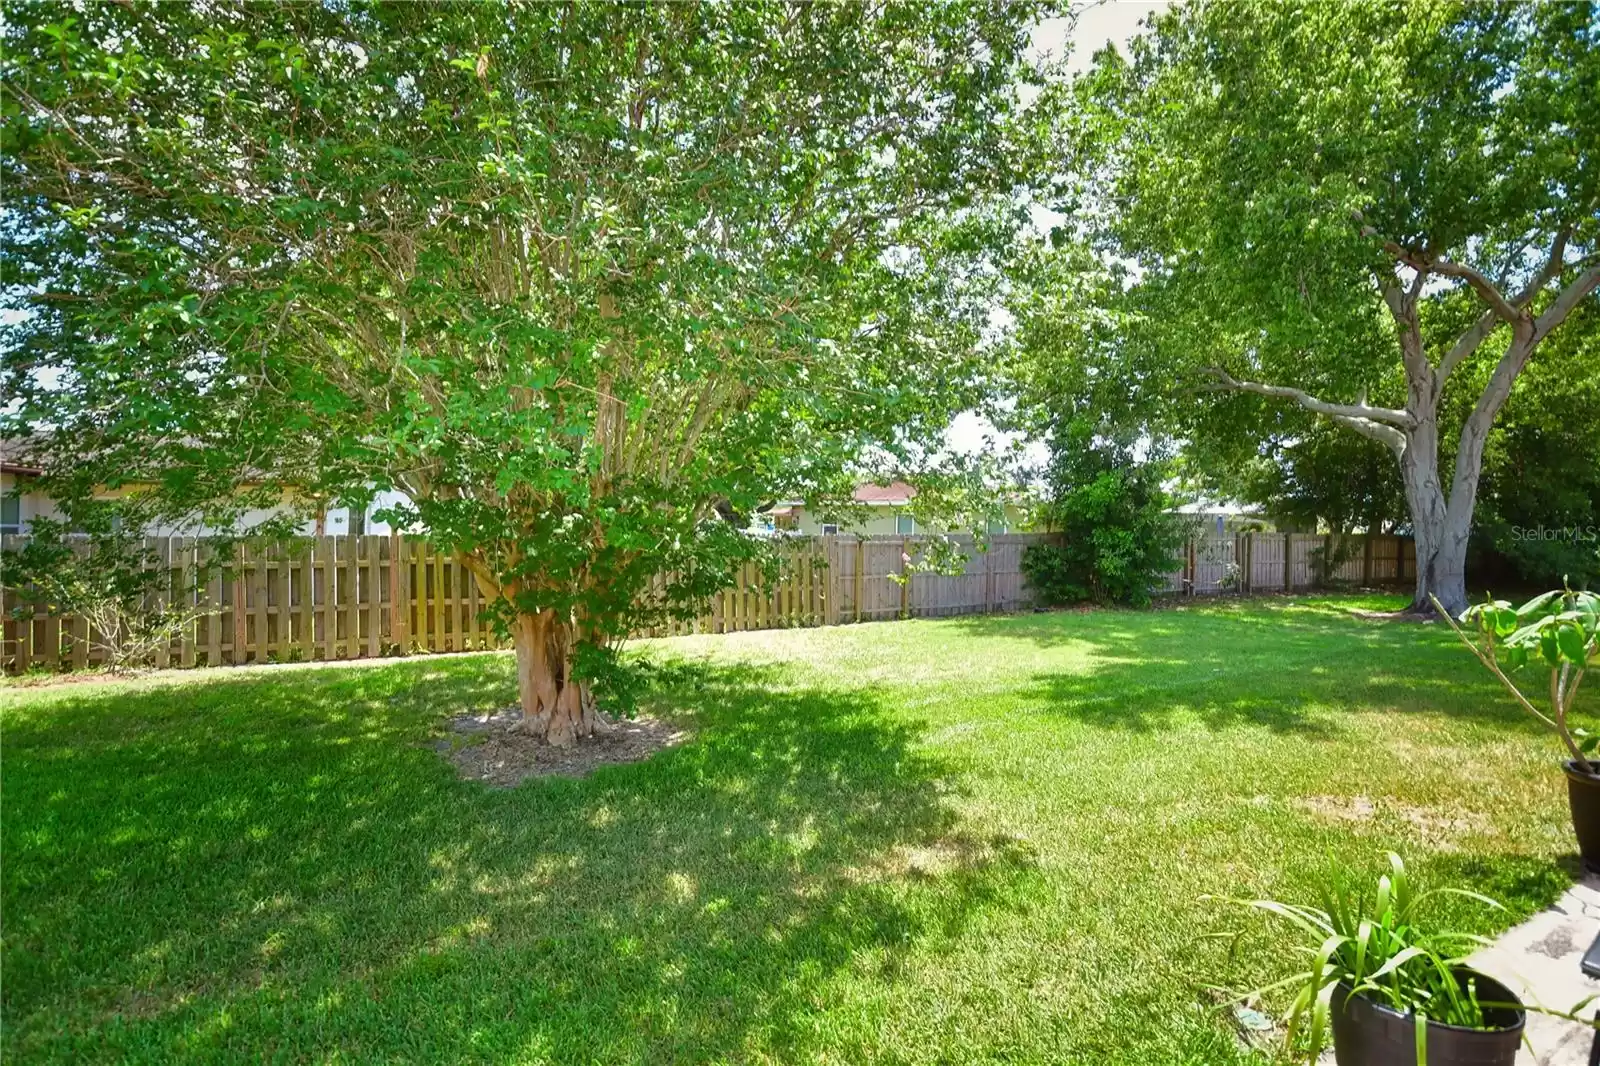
[(186, 590), (305, 573), (215, 601)]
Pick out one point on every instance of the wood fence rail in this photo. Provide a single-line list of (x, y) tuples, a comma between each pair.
[(354, 597)]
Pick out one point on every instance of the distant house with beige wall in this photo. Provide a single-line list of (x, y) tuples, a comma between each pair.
[(21, 501), (20, 504)]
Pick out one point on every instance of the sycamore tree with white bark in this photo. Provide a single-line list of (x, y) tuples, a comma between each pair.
[(1349, 211), (587, 283)]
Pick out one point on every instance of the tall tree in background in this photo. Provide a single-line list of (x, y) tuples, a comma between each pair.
[(1351, 208), (576, 279)]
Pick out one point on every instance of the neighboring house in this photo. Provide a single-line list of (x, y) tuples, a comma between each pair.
[(1219, 519), (19, 505), (887, 514), (21, 502)]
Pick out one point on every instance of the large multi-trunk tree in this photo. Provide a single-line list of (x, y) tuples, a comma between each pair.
[(1351, 208), (584, 282)]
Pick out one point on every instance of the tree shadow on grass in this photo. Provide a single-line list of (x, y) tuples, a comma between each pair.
[(1248, 664), (1522, 883), (278, 866)]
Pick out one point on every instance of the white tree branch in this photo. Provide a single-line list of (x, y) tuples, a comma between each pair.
[(1465, 345), (1570, 297), (1389, 415), (1422, 262), (1383, 424), (1480, 284), (1388, 436), (1553, 265)]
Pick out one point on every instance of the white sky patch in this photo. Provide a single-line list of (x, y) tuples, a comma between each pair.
[(1106, 21), (972, 434)]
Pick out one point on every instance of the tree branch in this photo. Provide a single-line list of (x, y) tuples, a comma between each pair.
[(1465, 345), (1378, 423), (1390, 415), (1570, 297), (1553, 265), (1480, 284), (1423, 261)]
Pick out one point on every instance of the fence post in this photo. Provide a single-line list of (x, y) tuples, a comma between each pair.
[(305, 579), (1366, 559), (330, 596), (239, 580), (161, 548), (396, 607), (861, 566), (905, 578), (988, 579), (374, 595), (262, 645)]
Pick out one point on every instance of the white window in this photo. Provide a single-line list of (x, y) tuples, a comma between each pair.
[(905, 525), (10, 513), (830, 528)]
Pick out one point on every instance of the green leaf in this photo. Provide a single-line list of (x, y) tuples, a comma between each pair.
[(1541, 604), (1571, 642), (1548, 646)]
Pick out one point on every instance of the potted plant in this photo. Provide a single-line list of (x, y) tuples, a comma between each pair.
[(1557, 631), (1392, 992)]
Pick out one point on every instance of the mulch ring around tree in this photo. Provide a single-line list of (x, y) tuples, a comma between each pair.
[(482, 747)]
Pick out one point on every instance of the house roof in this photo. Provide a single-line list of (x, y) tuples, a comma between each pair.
[(896, 493), (1227, 508), (19, 455)]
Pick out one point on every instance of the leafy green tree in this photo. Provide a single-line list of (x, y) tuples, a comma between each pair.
[(1117, 532), (1307, 473), (1352, 208), (579, 280), (1537, 518)]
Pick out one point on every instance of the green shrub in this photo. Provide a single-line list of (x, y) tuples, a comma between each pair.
[(1117, 535)]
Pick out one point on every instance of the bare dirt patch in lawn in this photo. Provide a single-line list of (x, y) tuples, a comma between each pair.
[(1443, 828), (482, 747)]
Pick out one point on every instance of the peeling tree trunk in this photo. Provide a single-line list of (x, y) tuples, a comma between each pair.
[(1440, 527), (556, 706), (1443, 524)]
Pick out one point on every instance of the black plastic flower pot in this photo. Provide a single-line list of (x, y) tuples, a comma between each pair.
[(1366, 1033), (1583, 792)]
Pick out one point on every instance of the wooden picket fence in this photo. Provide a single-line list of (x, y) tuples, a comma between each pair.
[(363, 597), (1289, 562), (354, 597)]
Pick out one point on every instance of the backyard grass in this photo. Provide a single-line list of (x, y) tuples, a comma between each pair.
[(960, 841)]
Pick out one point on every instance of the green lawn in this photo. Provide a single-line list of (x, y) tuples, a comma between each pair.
[(960, 841)]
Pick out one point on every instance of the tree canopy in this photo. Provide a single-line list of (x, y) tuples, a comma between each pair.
[(580, 280), (1356, 211)]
